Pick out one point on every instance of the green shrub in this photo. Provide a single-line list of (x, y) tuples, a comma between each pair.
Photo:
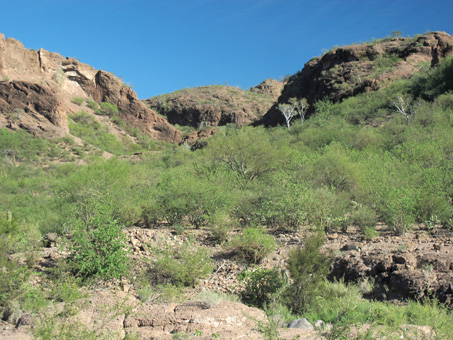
[(184, 267), (307, 267), (364, 217), (92, 104), (99, 245), (107, 109), (253, 245), (262, 285), (78, 100), (220, 226)]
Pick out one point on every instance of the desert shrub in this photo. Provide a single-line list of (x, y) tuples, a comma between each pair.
[(107, 109), (220, 226), (253, 245), (282, 207), (247, 210), (184, 267), (399, 210), (92, 104), (248, 153), (334, 169), (434, 82), (307, 267), (99, 245), (364, 217), (78, 100), (326, 209), (261, 286), (183, 196), (85, 126)]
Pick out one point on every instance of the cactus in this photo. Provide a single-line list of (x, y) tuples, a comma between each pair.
[(9, 216)]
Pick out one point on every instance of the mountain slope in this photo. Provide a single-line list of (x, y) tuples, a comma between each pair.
[(347, 71), (37, 90), (217, 104)]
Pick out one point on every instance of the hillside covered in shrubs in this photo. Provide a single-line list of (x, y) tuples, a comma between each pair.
[(383, 157)]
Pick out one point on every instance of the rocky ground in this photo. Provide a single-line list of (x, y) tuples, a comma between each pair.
[(409, 266)]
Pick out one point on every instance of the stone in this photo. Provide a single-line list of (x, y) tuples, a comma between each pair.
[(38, 98), (349, 247), (301, 324), (319, 324)]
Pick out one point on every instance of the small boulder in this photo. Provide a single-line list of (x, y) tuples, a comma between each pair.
[(349, 247), (51, 240), (319, 324), (301, 324)]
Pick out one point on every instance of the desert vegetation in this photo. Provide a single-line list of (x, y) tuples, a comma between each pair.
[(350, 164)]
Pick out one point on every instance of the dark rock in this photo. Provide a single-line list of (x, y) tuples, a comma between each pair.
[(349, 247), (347, 71)]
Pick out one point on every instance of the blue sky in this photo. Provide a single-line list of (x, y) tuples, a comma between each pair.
[(162, 46)]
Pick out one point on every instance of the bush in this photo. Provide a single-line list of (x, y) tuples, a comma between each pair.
[(253, 245), (308, 268), (364, 217), (107, 109), (183, 268), (262, 285), (92, 104), (78, 100), (99, 245)]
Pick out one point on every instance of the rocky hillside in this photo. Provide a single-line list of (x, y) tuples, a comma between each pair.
[(217, 104), (347, 71), (37, 91)]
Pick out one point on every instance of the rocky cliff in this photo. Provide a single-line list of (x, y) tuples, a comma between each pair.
[(347, 71), (37, 89), (217, 104)]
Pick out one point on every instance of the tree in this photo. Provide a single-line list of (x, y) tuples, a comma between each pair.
[(249, 153), (405, 108), (295, 107), (288, 112), (300, 106), (396, 34)]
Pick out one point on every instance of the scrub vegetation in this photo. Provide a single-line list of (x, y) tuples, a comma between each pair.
[(352, 163)]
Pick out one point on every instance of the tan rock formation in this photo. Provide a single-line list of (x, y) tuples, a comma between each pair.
[(37, 87)]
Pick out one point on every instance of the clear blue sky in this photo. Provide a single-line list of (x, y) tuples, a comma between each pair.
[(162, 46)]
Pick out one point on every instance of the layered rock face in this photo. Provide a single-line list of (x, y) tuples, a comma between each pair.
[(37, 88), (217, 104), (350, 70)]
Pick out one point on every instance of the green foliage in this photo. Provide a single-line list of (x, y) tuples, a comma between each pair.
[(78, 100), (261, 286), (84, 125), (307, 267), (183, 268), (434, 82), (253, 245), (107, 109), (92, 104), (344, 307), (99, 245), (364, 217), (248, 153)]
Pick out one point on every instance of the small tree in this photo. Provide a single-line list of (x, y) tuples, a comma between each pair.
[(405, 108), (300, 106), (307, 267), (295, 107)]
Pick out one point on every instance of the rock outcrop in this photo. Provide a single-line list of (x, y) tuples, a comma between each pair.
[(406, 267), (217, 104), (37, 88), (347, 71)]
